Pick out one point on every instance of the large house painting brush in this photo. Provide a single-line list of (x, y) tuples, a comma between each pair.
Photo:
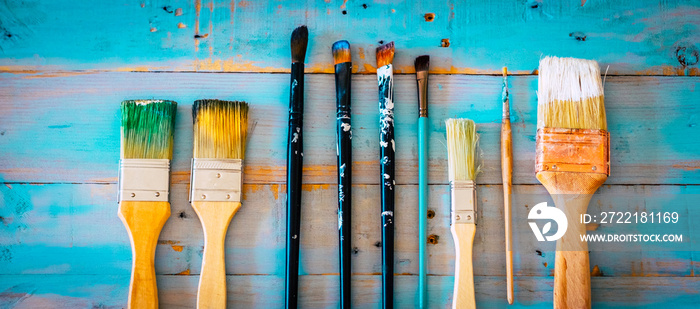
[(144, 179), (573, 160), (220, 131)]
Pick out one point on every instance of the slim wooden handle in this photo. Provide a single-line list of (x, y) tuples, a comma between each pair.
[(463, 297), (215, 218), (507, 173), (143, 222)]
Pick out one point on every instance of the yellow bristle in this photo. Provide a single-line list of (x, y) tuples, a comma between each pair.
[(462, 141), (220, 129), (570, 94)]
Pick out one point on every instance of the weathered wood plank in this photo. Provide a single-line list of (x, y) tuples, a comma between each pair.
[(632, 36), (66, 129), (77, 227), (319, 291)]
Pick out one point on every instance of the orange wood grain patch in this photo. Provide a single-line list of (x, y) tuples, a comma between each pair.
[(177, 248), (185, 272)]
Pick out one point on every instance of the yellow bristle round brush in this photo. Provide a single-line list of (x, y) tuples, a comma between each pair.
[(144, 180), (220, 129), (462, 141), (573, 160)]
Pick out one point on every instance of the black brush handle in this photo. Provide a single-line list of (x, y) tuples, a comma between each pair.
[(386, 163), (344, 136), (294, 171)]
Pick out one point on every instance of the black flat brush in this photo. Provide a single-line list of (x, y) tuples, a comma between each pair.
[(385, 79), (343, 68), (295, 163)]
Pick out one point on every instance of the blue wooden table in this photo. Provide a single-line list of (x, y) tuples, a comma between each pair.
[(66, 65)]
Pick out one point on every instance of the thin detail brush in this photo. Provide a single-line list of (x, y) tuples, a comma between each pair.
[(220, 131), (343, 74), (422, 65), (507, 175), (462, 141), (385, 79), (295, 155), (572, 162), (144, 179)]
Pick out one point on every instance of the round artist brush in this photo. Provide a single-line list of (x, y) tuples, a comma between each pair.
[(385, 77), (220, 131), (146, 149), (295, 155), (343, 68), (572, 161), (507, 176), (462, 141)]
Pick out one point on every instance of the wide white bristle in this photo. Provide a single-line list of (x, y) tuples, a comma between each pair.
[(570, 92)]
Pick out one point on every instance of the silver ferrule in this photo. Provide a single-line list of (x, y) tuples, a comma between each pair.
[(216, 180), (463, 201), (422, 79), (506, 101), (146, 180)]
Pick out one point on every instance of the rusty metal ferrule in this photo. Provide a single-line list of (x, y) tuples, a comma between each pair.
[(573, 150)]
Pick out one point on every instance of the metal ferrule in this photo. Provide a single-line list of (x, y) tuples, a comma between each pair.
[(422, 79), (506, 101), (463, 201), (145, 180), (216, 180)]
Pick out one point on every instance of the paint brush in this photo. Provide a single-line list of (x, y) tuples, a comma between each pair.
[(343, 75), (144, 179), (507, 174), (462, 141), (385, 79), (422, 65), (572, 161), (220, 131), (295, 155)]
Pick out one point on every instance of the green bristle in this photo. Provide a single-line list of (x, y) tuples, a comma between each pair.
[(147, 129)]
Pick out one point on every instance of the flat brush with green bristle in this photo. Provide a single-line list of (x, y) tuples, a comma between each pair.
[(146, 149), (462, 141), (220, 129)]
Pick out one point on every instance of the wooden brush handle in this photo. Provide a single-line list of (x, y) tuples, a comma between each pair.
[(507, 173), (143, 222), (463, 297), (572, 272), (215, 218), (571, 193)]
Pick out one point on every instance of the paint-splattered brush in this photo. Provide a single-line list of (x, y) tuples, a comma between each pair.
[(422, 65), (385, 78), (573, 160), (507, 174), (462, 141), (343, 74), (295, 155), (220, 130), (144, 179)]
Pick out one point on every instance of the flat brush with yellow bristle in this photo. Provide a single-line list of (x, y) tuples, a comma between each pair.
[(573, 160), (462, 141), (144, 180), (220, 129)]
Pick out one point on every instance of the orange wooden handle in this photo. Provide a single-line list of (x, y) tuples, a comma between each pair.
[(507, 173), (143, 222), (215, 218)]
